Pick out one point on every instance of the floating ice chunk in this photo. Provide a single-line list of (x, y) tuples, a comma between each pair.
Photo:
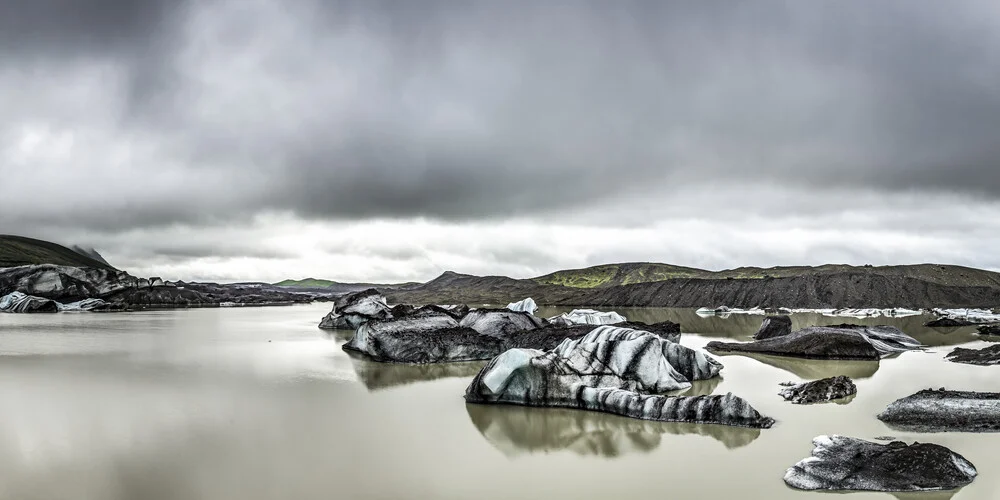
[(588, 317), (527, 305)]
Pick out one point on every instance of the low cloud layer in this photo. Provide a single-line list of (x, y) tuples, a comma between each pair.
[(151, 128)]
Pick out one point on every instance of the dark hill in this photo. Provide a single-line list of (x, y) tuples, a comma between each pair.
[(828, 286), (19, 251)]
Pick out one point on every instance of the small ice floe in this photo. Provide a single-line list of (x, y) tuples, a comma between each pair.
[(82, 305), (971, 315), (527, 305), (587, 317)]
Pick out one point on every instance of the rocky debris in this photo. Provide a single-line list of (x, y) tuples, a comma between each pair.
[(612, 370), (849, 464), (774, 326), (828, 342), (943, 410), (499, 323), (820, 391), (987, 356), (17, 302), (587, 317), (527, 305), (989, 330), (355, 309), (948, 323)]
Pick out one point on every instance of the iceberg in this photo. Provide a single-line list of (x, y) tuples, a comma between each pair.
[(527, 305), (613, 370), (587, 317)]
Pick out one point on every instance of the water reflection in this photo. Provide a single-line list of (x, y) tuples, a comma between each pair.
[(814, 369), (376, 376), (518, 430), (927, 495), (699, 388)]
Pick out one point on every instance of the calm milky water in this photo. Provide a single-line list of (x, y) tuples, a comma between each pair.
[(247, 404)]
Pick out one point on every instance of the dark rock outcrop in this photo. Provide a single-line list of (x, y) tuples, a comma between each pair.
[(355, 309), (774, 326), (17, 302), (989, 330), (948, 323), (849, 464), (943, 410), (820, 391), (987, 356), (612, 370), (828, 342)]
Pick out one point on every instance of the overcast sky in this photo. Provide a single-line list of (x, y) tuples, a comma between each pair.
[(390, 141)]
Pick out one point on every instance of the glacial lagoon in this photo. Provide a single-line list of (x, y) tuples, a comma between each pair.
[(258, 403)]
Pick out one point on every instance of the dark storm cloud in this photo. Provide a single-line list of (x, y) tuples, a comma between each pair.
[(355, 109)]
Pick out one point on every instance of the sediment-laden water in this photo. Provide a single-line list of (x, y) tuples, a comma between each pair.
[(258, 403)]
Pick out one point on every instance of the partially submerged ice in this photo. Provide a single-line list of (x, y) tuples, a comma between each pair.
[(587, 317), (848, 464), (613, 370), (427, 335), (970, 315), (527, 305), (820, 391), (848, 342), (17, 302), (987, 356), (499, 322), (355, 309), (943, 410), (774, 326)]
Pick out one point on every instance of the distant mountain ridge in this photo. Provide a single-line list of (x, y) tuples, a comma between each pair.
[(330, 286), (662, 285), (20, 251)]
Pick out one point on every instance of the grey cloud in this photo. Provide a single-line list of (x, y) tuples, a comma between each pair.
[(358, 109)]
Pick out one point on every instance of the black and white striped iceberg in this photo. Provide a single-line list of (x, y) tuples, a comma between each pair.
[(613, 370)]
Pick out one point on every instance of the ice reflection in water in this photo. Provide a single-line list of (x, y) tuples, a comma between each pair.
[(517, 430)]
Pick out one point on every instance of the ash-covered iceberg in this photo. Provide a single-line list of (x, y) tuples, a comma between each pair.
[(944, 410), (527, 305), (820, 391), (848, 464), (774, 326), (499, 323), (613, 370), (587, 317), (17, 302), (355, 309), (427, 335), (828, 342)]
